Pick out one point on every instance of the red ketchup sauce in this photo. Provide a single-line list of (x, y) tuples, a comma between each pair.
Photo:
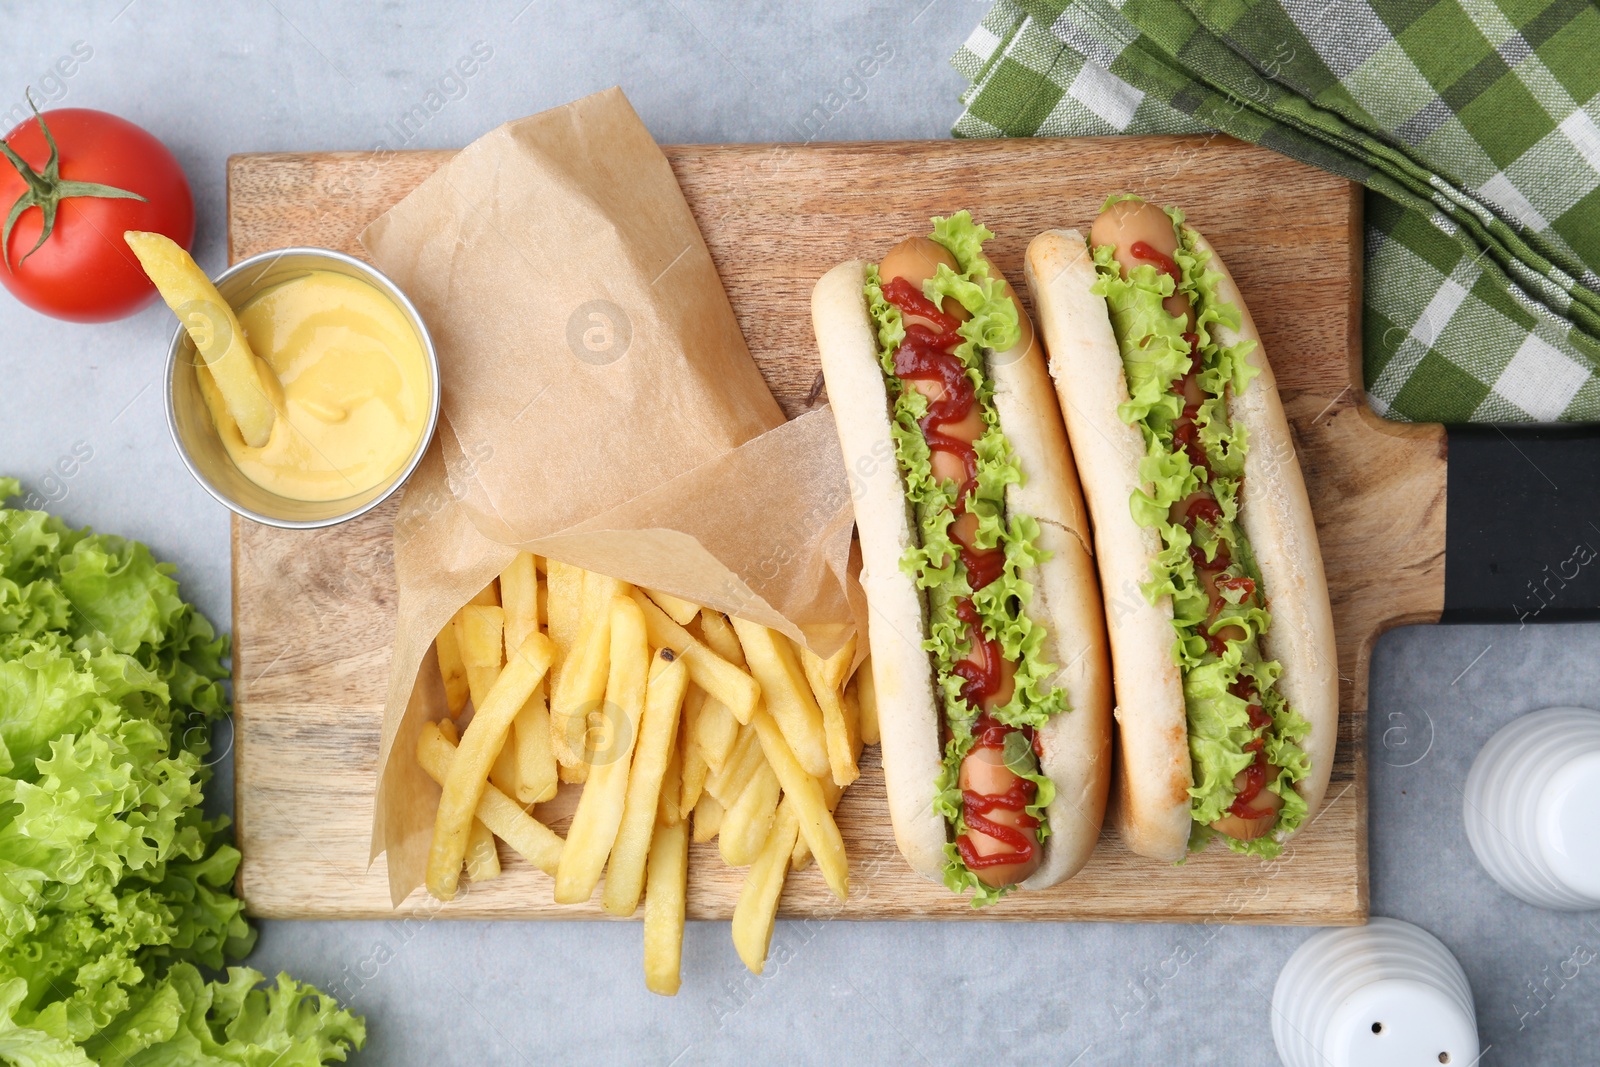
[(982, 681), (975, 808), (928, 355), (1164, 263), (1255, 777)]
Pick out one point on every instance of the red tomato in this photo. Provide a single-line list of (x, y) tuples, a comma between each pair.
[(84, 272)]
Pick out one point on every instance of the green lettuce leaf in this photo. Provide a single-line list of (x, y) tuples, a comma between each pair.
[(191, 1022), (1155, 355), (934, 562), (114, 889)]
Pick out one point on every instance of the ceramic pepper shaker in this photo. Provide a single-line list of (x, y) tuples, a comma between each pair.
[(1532, 808), (1387, 994)]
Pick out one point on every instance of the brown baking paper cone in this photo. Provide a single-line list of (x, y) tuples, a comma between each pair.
[(599, 407)]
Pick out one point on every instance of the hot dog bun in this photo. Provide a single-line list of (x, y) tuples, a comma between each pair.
[(1075, 746), (1151, 805), (908, 714)]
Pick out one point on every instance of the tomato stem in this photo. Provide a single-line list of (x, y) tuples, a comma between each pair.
[(46, 191)]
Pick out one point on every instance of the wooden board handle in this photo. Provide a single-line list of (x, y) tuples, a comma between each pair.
[(1522, 537)]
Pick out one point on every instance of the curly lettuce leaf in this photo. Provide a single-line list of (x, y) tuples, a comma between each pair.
[(1219, 728), (241, 1021), (114, 888), (934, 562)]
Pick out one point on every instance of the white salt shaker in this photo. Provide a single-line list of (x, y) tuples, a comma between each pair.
[(1387, 994), (1532, 808)]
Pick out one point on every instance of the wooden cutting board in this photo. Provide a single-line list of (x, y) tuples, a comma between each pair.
[(314, 611)]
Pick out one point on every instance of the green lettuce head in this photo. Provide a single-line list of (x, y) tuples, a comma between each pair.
[(116, 889)]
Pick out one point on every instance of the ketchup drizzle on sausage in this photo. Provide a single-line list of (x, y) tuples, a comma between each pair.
[(928, 355), (1255, 778), (1164, 263), (975, 807), (982, 681), (1241, 584), (909, 299)]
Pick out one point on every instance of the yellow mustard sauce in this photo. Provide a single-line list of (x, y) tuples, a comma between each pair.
[(355, 389)]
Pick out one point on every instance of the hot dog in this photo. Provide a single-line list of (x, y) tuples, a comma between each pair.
[(1221, 631), (988, 647)]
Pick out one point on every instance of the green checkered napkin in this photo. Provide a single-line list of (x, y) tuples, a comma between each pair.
[(1474, 124)]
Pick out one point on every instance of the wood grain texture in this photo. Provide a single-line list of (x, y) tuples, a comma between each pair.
[(314, 611)]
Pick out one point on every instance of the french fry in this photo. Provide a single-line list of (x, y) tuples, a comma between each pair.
[(586, 715), (452, 671), (599, 590), (748, 821), (671, 812), (663, 702), (838, 728), (469, 771), (519, 596), (535, 759), (483, 862), (715, 733), (599, 815), (244, 383), (833, 670), (665, 893), (563, 612), (740, 767), (852, 721), (831, 792), (692, 762), (720, 637), (488, 596), (580, 688), (735, 688), (804, 792), (479, 630), (757, 907), (867, 698), (707, 818), (447, 729), (786, 693), (678, 610), (505, 772), (527, 836), (534, 776)]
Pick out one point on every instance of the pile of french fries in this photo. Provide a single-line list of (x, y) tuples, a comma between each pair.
[(676, 720)]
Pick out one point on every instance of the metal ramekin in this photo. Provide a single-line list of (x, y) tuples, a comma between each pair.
[(195, 435)]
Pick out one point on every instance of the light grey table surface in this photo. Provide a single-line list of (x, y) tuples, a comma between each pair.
[(261, 75)]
